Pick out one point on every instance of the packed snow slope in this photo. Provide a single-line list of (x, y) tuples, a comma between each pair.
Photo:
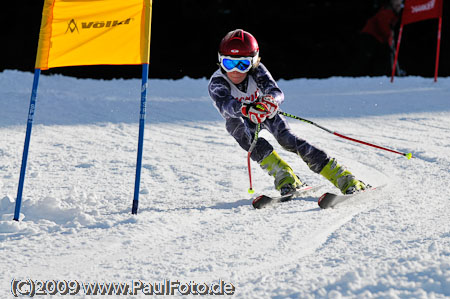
[(195, 222)]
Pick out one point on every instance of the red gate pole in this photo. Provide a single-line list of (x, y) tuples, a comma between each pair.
[(437, 50), (396, 52)]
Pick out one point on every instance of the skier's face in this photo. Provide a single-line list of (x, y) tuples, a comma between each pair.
[(236, 77)]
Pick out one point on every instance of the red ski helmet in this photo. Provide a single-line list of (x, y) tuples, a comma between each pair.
[(239, 43)]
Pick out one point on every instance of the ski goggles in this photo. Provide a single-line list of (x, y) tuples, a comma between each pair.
[(240, 64)]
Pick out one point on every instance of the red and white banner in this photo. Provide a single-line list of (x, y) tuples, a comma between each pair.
[(415, 11), (419, 10)]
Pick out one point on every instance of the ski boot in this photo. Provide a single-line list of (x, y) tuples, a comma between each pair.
[(342, 178), (285, 179)]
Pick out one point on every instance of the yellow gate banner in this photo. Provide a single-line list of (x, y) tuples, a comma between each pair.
[(90, 32)]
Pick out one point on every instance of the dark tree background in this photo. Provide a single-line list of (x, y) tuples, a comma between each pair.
[(297, 39)]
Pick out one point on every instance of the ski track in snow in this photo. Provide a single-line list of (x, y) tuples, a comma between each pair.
[(195, 220)]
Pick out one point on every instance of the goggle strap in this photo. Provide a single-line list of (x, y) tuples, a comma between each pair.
[(256, 62)]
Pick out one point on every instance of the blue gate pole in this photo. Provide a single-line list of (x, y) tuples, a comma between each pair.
[(37, 73), (141, 138)]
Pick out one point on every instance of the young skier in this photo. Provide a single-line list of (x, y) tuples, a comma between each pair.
[(245, 94)]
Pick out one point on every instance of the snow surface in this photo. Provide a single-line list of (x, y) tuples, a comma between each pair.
[(196, 222)]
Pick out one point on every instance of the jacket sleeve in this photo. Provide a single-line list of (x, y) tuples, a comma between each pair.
[(267, 84), (220, 92)]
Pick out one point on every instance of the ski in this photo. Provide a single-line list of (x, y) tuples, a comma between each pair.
[(264, 200), (330, 200)]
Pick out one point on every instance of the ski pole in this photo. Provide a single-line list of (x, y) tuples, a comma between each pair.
[(252, 146), (407, 155)]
